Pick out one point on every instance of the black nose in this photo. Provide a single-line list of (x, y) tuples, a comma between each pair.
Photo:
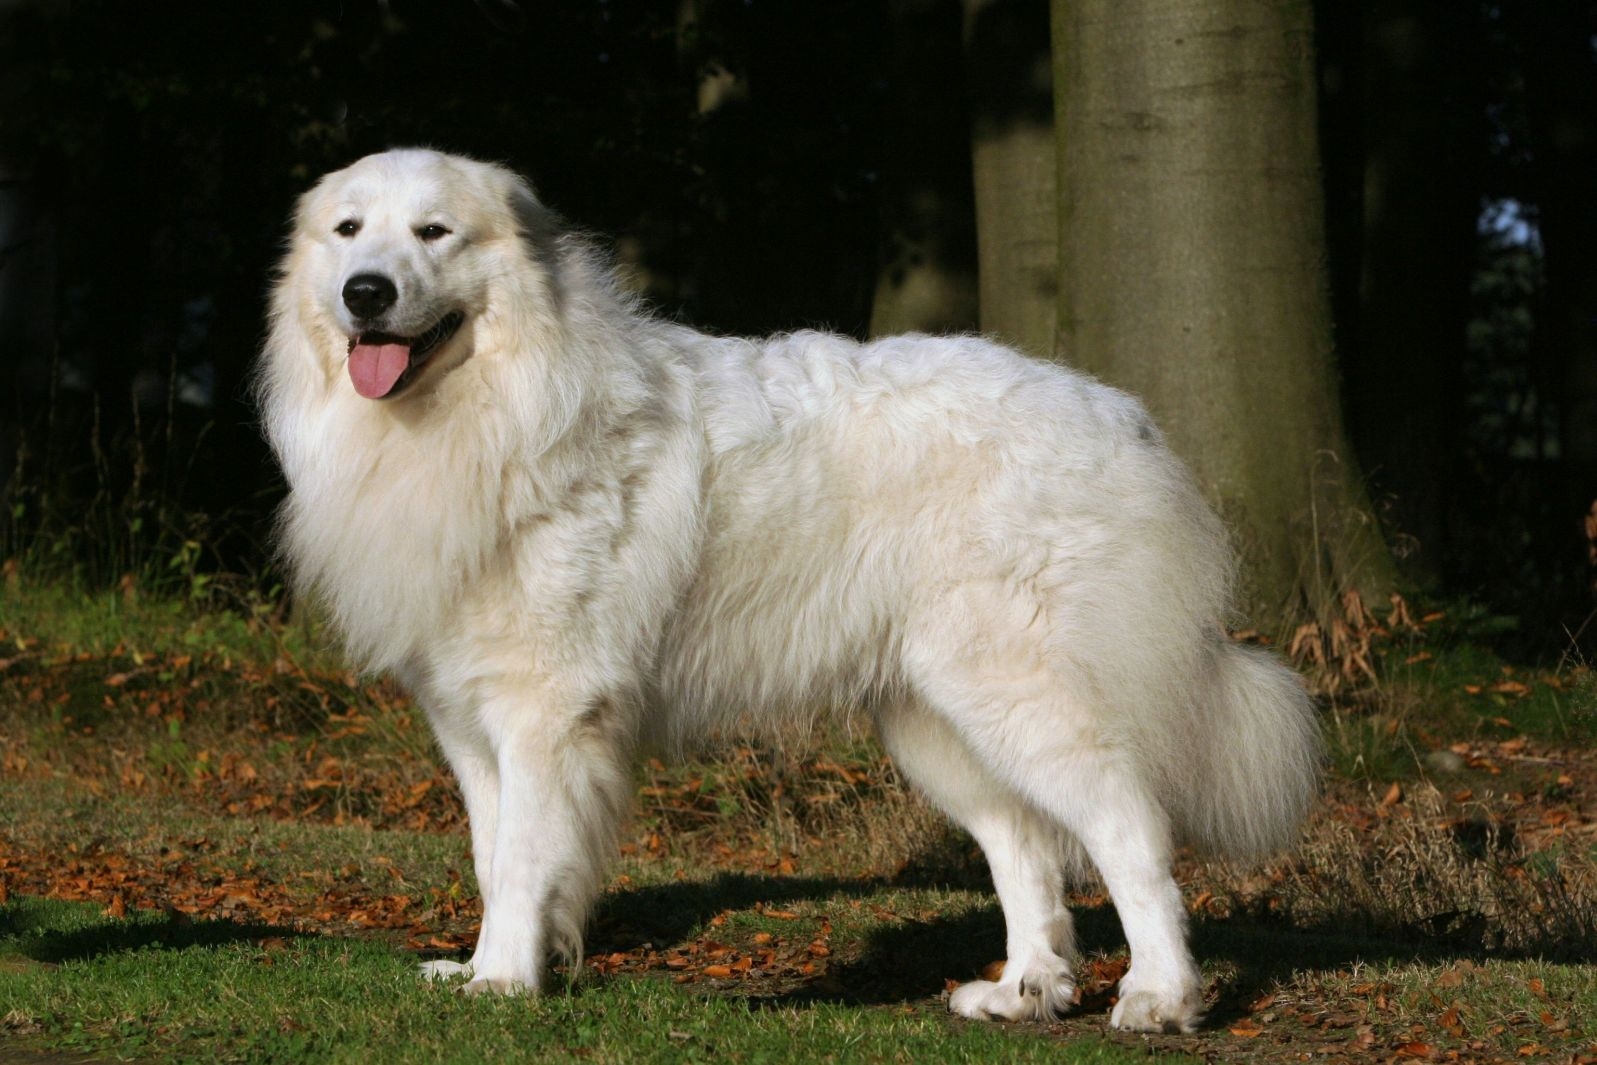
[(369, 295)]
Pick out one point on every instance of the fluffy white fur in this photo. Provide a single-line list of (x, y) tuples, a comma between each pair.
[(582, 530)]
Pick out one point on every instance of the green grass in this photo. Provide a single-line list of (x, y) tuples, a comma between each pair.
[(60, 615), (231, 806), (1443, 686), (72, 979)]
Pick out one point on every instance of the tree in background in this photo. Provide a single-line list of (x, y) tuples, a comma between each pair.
[(1192, 271), (1010, 75), (773, 166), (1409, 132), (927, 280), (1560, 71)]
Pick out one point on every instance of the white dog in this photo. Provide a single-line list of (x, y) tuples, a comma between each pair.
[(574, 530)]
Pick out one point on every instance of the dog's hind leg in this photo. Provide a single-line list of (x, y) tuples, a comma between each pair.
[(1019, 712), (1026, 852), (1102, 803), (1125, 832)]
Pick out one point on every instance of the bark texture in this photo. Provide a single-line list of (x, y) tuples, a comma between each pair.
[(1563, 114), (1008, 69), (1402, 364), (1192, 272), (927, 279)]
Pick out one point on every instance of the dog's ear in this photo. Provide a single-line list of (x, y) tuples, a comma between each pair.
[(540, 227)]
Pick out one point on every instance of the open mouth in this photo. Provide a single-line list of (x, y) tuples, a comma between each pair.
[(382, 364)]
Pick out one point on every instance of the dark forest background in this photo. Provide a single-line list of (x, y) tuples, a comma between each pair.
[(758, 165)]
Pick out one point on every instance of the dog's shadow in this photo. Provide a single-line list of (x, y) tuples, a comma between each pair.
[(664, 914), (903, 962), (909, 961), (33, 929)]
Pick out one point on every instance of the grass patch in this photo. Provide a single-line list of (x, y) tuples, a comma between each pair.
[(219, 991), (217, 843), (1421, 698)]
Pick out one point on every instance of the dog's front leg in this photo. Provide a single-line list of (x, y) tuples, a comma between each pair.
[(563, 787), (477, 772)]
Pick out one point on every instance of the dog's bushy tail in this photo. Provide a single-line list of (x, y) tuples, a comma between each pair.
[(1260, 754)]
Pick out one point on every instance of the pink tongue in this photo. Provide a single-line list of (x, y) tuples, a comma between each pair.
[(374, 368)]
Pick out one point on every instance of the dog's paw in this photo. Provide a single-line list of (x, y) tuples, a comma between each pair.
[(444, 970), (1147, 1011), (487, 985), (1041, 994)]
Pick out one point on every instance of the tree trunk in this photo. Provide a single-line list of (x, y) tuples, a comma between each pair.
[(1562, 88), (927, 280), (27, 308), (1192, 272), (1008, 69), (1420, 210)]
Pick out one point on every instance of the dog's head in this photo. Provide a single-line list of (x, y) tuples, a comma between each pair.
[(399, 254)]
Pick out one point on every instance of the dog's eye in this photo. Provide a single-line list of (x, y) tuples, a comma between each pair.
[(347, 228), (432, 232)]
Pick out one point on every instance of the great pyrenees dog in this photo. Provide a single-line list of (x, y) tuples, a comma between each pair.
[(575, 532)]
